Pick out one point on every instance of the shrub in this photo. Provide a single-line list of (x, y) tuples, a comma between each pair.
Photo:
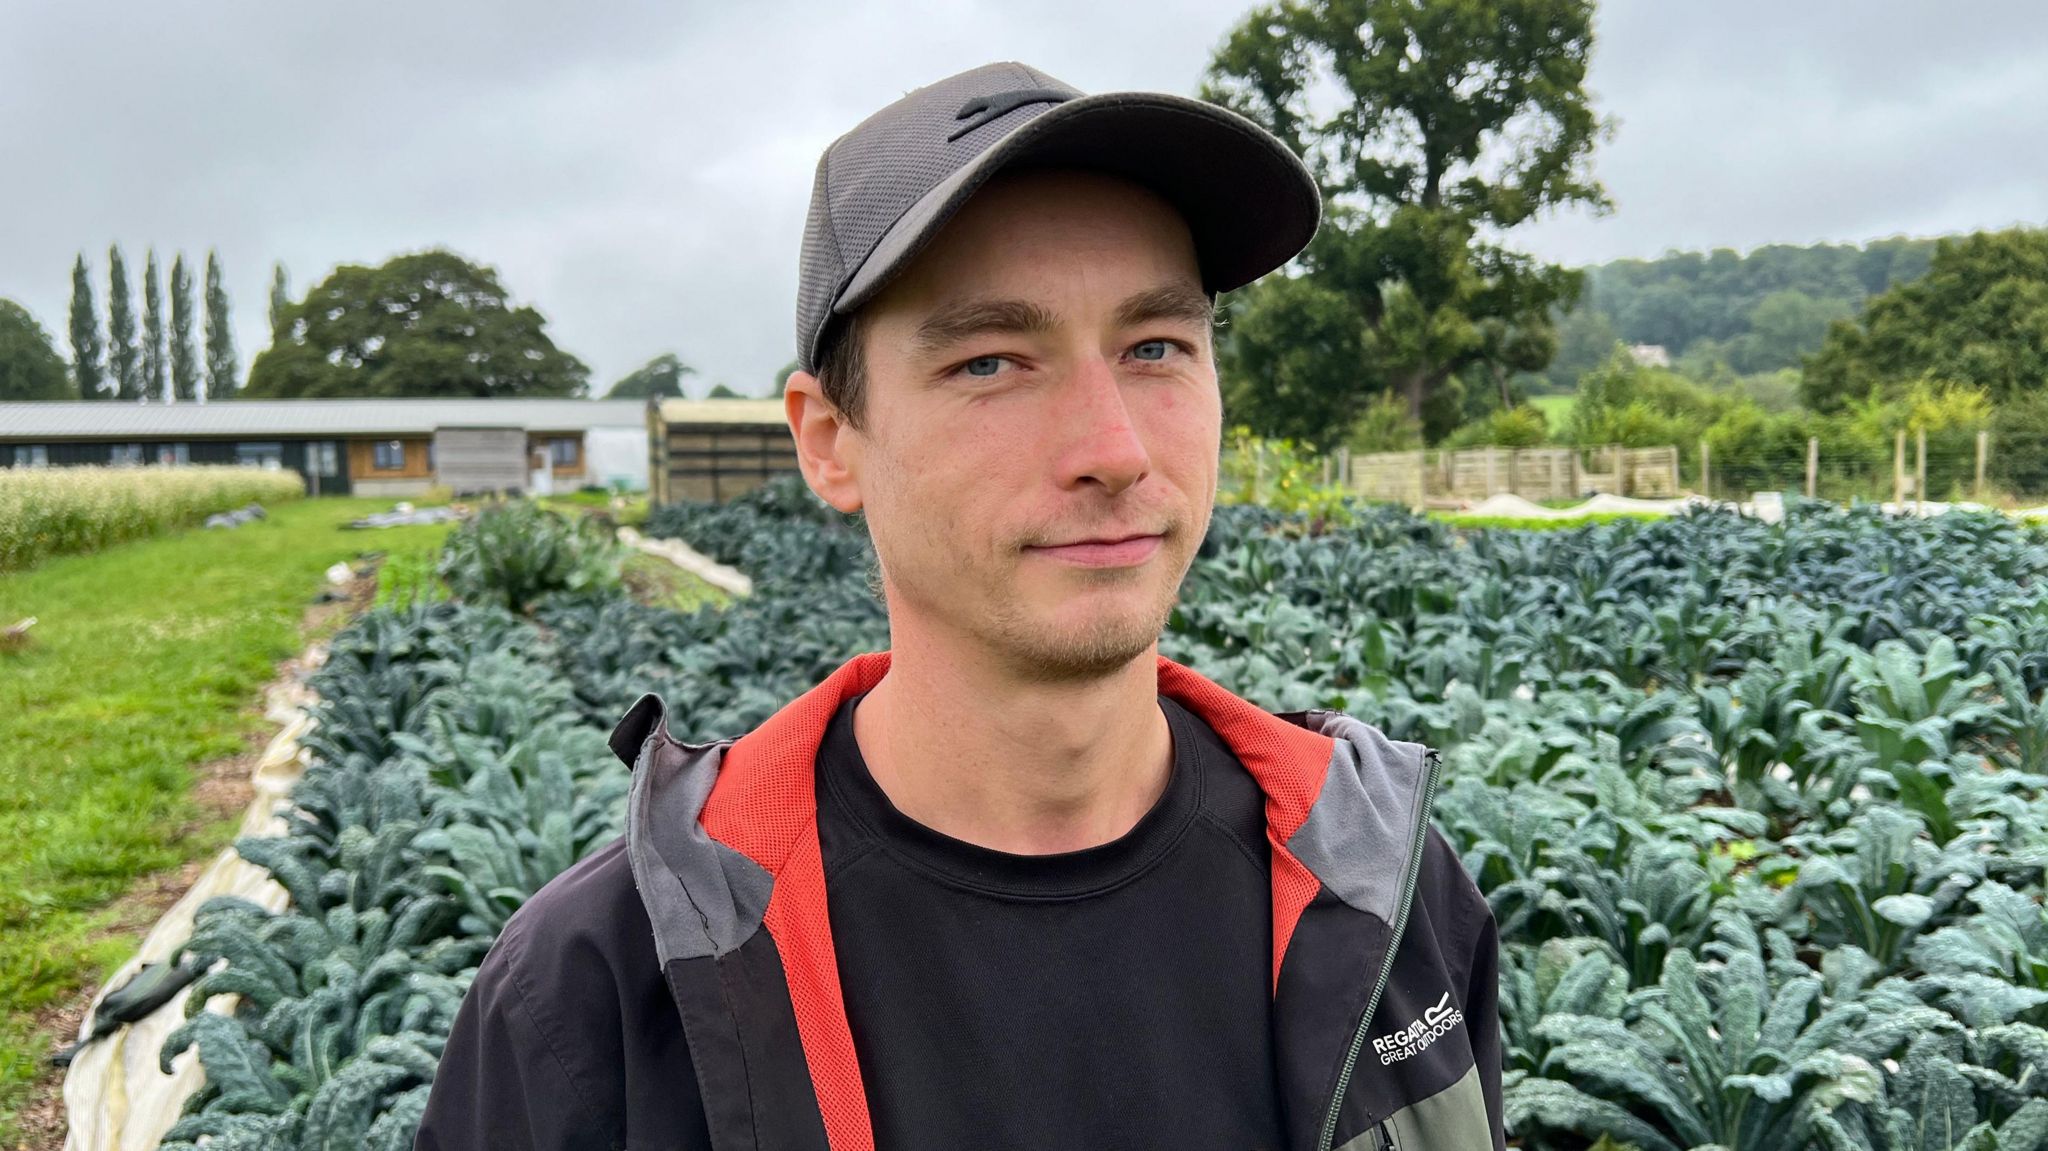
[(48, 512), (1522, 427), (1385, 426)]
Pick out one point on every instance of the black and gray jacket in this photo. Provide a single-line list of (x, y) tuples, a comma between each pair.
[(1385, 1025)]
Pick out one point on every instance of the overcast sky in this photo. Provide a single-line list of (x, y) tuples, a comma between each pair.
[(639, 171)]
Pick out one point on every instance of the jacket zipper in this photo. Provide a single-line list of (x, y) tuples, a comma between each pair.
[(1433, 767), (1382, 1137)]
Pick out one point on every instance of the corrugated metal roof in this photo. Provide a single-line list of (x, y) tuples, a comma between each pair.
[(723, 411), (44, 419)]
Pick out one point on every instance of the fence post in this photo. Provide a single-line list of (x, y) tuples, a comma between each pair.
[(1899, 471), (1706, 476), (1919, 471), (1983, 450), (1812, 466), (1344, 466), (1489, 471), (1326, 471)]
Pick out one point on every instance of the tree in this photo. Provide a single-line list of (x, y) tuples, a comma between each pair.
[(86, 346), (721, 392), (184, 356), (660, 376), (124, 362), (221, 368), (1785, 327), (1290, 367), (1585, 339), (427, 324), (1688, 300), (280, 298), (30, 368), (1979, 318), (1453, 121), (155, 377)]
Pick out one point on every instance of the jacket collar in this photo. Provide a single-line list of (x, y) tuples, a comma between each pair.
[(723, 841)]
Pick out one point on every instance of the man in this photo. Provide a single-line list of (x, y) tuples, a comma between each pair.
[(1018, 882)]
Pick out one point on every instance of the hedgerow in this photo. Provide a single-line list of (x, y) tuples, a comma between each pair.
[(1757, 807)]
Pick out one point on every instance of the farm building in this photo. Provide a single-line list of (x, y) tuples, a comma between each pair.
[(716, 449), (373, 447)]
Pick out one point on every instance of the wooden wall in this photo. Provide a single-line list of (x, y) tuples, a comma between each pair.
[(720, 461), (361, 460)]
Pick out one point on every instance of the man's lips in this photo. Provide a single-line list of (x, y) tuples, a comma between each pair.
[(1104, 552)]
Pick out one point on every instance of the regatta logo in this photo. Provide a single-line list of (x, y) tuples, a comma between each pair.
[(1415, 1038)]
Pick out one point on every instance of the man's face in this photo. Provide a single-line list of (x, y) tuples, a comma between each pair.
[(1041, 384)]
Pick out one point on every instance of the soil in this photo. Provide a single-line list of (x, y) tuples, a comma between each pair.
[(220, 792)]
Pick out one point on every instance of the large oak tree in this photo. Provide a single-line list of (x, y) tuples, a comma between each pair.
[(660, 376), (1432, 126), (427, 324), (1979, 318), (30, 368)]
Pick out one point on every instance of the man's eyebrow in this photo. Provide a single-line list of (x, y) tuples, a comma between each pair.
[(960, 321), (1178, 301)]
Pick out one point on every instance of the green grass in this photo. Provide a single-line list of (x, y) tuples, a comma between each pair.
[(147, 659), (633, 514), (1513, 523), (1557, 410), (655, 581), (407, 572)]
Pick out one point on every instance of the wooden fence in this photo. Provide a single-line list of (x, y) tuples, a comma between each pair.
[(1418, 478)]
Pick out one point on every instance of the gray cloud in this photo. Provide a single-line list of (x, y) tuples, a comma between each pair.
[(639, 171)]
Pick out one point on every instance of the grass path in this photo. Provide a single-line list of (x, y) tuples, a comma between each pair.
[(147, 661)]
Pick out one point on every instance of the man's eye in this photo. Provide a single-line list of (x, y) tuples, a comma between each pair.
[(1153, 349), (983, 366)]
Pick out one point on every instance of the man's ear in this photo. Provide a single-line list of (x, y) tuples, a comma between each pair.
[(827, 447)]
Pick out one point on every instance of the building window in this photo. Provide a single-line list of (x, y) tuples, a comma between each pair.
[(260, 454), (388, 455), (124, 455), (564, 453), (430, 455), (171, 455), (31, 456), (323, 458)]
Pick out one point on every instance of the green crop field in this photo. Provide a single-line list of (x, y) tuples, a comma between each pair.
[(57, 511), (1758, 807)]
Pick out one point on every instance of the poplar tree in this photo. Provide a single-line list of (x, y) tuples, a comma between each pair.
[(221, 369), (154, 373), (280, 298), (124, 363), (86, 347), (184, 356)]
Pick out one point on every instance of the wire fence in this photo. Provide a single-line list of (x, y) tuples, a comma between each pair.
[(2005, 466)]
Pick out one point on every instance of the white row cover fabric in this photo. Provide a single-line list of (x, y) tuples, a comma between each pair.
[(115, 1097)]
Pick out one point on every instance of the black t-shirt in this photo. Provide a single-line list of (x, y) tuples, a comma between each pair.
[(1115, 997)]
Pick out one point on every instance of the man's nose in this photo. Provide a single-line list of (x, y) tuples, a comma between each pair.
[(1104, 447)]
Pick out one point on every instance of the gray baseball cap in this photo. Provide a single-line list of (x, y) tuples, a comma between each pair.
[(887, 187)]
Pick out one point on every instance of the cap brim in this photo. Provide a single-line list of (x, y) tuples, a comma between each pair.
[(1248, 201)]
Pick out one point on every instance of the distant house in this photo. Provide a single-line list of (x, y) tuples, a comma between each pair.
[(1650, 355), (375, 447)]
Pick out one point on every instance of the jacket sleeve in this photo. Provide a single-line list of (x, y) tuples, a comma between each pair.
[(501, 1085), (1482, 1020)]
